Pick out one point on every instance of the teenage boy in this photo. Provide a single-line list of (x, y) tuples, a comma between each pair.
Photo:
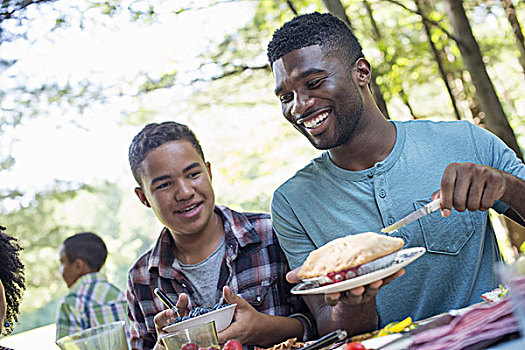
[(91, 301), (206, 253)]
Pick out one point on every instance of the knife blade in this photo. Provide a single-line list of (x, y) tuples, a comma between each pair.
[(425, 210)]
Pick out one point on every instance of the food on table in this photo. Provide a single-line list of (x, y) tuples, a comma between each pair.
[(496, 294), (232, 345), (192, 346), (290, 344), (394, 327), (350, 256), (198, 311), (364, 336), (397, 327), (354, 346)]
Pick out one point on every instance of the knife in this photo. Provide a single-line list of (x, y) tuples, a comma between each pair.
[(425, 210), (330, 338)]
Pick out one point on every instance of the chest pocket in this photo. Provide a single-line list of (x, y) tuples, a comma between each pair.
[(445, 235), (260, 295)]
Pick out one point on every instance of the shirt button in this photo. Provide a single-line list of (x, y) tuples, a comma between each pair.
[(390, 220), (370, 174), (258, 298), (382, 194), (184, 285)]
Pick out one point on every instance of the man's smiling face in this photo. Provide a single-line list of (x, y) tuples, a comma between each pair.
[(177, 186), (318, 96)]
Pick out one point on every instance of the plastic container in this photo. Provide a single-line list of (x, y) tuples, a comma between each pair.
[(109, 336)]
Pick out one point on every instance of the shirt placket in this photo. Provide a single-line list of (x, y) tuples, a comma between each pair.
[(382, 195), (229, 278)]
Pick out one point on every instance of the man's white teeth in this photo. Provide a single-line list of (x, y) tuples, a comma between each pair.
[(315, 122), (188, 209)]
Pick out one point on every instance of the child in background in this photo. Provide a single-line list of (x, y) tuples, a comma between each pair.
[(92, 301)]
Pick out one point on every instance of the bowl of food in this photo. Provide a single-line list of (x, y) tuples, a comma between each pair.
[(222, 315)]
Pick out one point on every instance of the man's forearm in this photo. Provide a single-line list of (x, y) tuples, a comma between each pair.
[(514, 196), (279, 329)]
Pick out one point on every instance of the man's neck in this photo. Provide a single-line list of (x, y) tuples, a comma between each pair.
[(192, 249), (371, 143)]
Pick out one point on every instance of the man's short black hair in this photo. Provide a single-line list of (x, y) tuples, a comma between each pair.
[(88, 247), (155, 135), (333, 36), (13, 279)]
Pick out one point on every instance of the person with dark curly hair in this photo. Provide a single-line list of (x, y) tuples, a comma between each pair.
[(92, 300), (12, 281), (375, 171)]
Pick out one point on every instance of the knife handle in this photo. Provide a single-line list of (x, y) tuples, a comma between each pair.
[(328, 339), (433, 206)]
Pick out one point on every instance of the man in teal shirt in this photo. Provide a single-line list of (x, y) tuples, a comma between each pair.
[(374, 172)]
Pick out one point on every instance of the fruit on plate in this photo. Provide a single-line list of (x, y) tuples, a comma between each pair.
[(189, 346), (354, 346), (396, 327), (193, 346), (232, 344)]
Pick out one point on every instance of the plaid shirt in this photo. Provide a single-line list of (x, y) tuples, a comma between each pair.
[(254, 267), (92, 301)]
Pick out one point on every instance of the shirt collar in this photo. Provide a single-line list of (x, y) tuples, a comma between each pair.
[(238, 230), (237, 227), (89, 278)]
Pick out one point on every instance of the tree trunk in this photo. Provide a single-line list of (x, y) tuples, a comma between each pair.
[(516, 29), (494, 116), (377, 36), (336, 8), (441, 68)]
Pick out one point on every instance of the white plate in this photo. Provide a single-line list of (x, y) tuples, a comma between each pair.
[(403, 258), (222, 317), (377, 342)]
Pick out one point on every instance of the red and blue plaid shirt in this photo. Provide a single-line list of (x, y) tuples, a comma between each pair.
[(254, 267)]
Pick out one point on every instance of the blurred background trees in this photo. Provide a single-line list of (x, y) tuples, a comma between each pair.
[(441, 60)]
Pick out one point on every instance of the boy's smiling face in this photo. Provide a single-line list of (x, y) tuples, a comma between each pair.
[(177, 186)]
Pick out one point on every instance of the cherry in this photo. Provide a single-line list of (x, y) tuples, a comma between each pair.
[(232, 345), (189, 346), (354, 346)]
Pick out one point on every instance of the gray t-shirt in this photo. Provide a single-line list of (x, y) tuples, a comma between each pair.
[(204, 276), (322, 202)]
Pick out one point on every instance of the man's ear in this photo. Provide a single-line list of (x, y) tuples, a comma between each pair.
[(142, 196), (363, 72), (208, 167)]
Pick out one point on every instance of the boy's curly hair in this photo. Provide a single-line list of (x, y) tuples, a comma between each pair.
[(12, 276)]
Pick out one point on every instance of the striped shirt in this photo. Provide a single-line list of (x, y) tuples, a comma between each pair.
[(254, 266), (92, 301)]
